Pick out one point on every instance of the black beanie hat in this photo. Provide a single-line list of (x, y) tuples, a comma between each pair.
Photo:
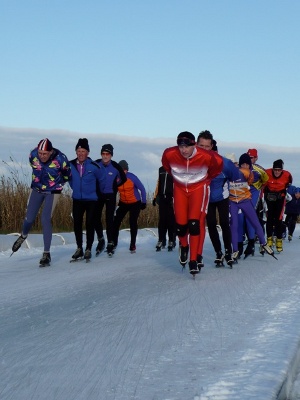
[(124, 165), (245, 159), (108, 148), (45, 145), (278, 164), (83, 144), (186, 138)]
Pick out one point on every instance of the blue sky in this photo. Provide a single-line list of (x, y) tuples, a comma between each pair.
[(153, 68)]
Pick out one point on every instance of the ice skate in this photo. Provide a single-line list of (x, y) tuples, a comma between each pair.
[(269, 250), (110, 249), (279, 247), (183, 255), (159, 246), (200, 262), (229, 259), (219, 259), (100, 246), (18, 243), (45, 260), (235, 256), (249, 249), (87, 255), (194, 269), (78, 255), (171, 246), (132, 248)]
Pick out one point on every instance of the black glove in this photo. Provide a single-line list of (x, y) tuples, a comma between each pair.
[(154, 202), (143, 206)]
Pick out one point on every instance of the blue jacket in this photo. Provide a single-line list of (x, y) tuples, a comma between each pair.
[(85, 186), (115, 176), (219, 186), (49, 176), (293, 206)]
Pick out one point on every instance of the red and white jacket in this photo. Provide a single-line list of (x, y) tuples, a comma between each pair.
[(191, 173)]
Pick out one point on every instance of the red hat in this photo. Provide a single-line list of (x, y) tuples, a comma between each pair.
[(252, 152)]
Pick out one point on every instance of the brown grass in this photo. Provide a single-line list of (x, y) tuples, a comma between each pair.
[(14, 192)]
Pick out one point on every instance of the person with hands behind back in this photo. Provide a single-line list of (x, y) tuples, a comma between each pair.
[(274, 193), (133, 200), (163, 196), (192, 169)]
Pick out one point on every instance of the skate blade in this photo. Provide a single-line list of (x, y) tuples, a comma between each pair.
[(194, 273), (219, 264), (76, 259)]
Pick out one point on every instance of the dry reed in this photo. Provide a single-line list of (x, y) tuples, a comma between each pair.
[(14, 192)]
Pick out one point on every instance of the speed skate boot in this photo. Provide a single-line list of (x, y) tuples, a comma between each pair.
[(235, 256), (87, 255), (170, 246), (219, 259), (45, 260), (100, 246), (78, 254), (240, 249), (18, 243), (200, 262), (183, 254), (228, 258), (279, 247), (110, 249), (269, 250), (159, 246), (194, 269), (290, 238), (132, 248), (270, 241), (249, 249), (262, 250)]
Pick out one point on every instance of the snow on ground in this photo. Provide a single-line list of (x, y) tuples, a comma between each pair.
[(136, 327)]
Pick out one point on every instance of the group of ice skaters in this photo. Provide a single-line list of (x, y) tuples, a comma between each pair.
[(245, 200), (197, 187), (94, 185)]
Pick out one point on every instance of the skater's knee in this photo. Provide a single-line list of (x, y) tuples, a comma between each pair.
[(181, 230), (194, 227)]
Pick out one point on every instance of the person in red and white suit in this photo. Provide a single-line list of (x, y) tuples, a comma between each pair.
[(192, 169)]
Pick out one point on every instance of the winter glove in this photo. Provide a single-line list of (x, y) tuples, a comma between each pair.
[(154, 202), (143, 206)]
